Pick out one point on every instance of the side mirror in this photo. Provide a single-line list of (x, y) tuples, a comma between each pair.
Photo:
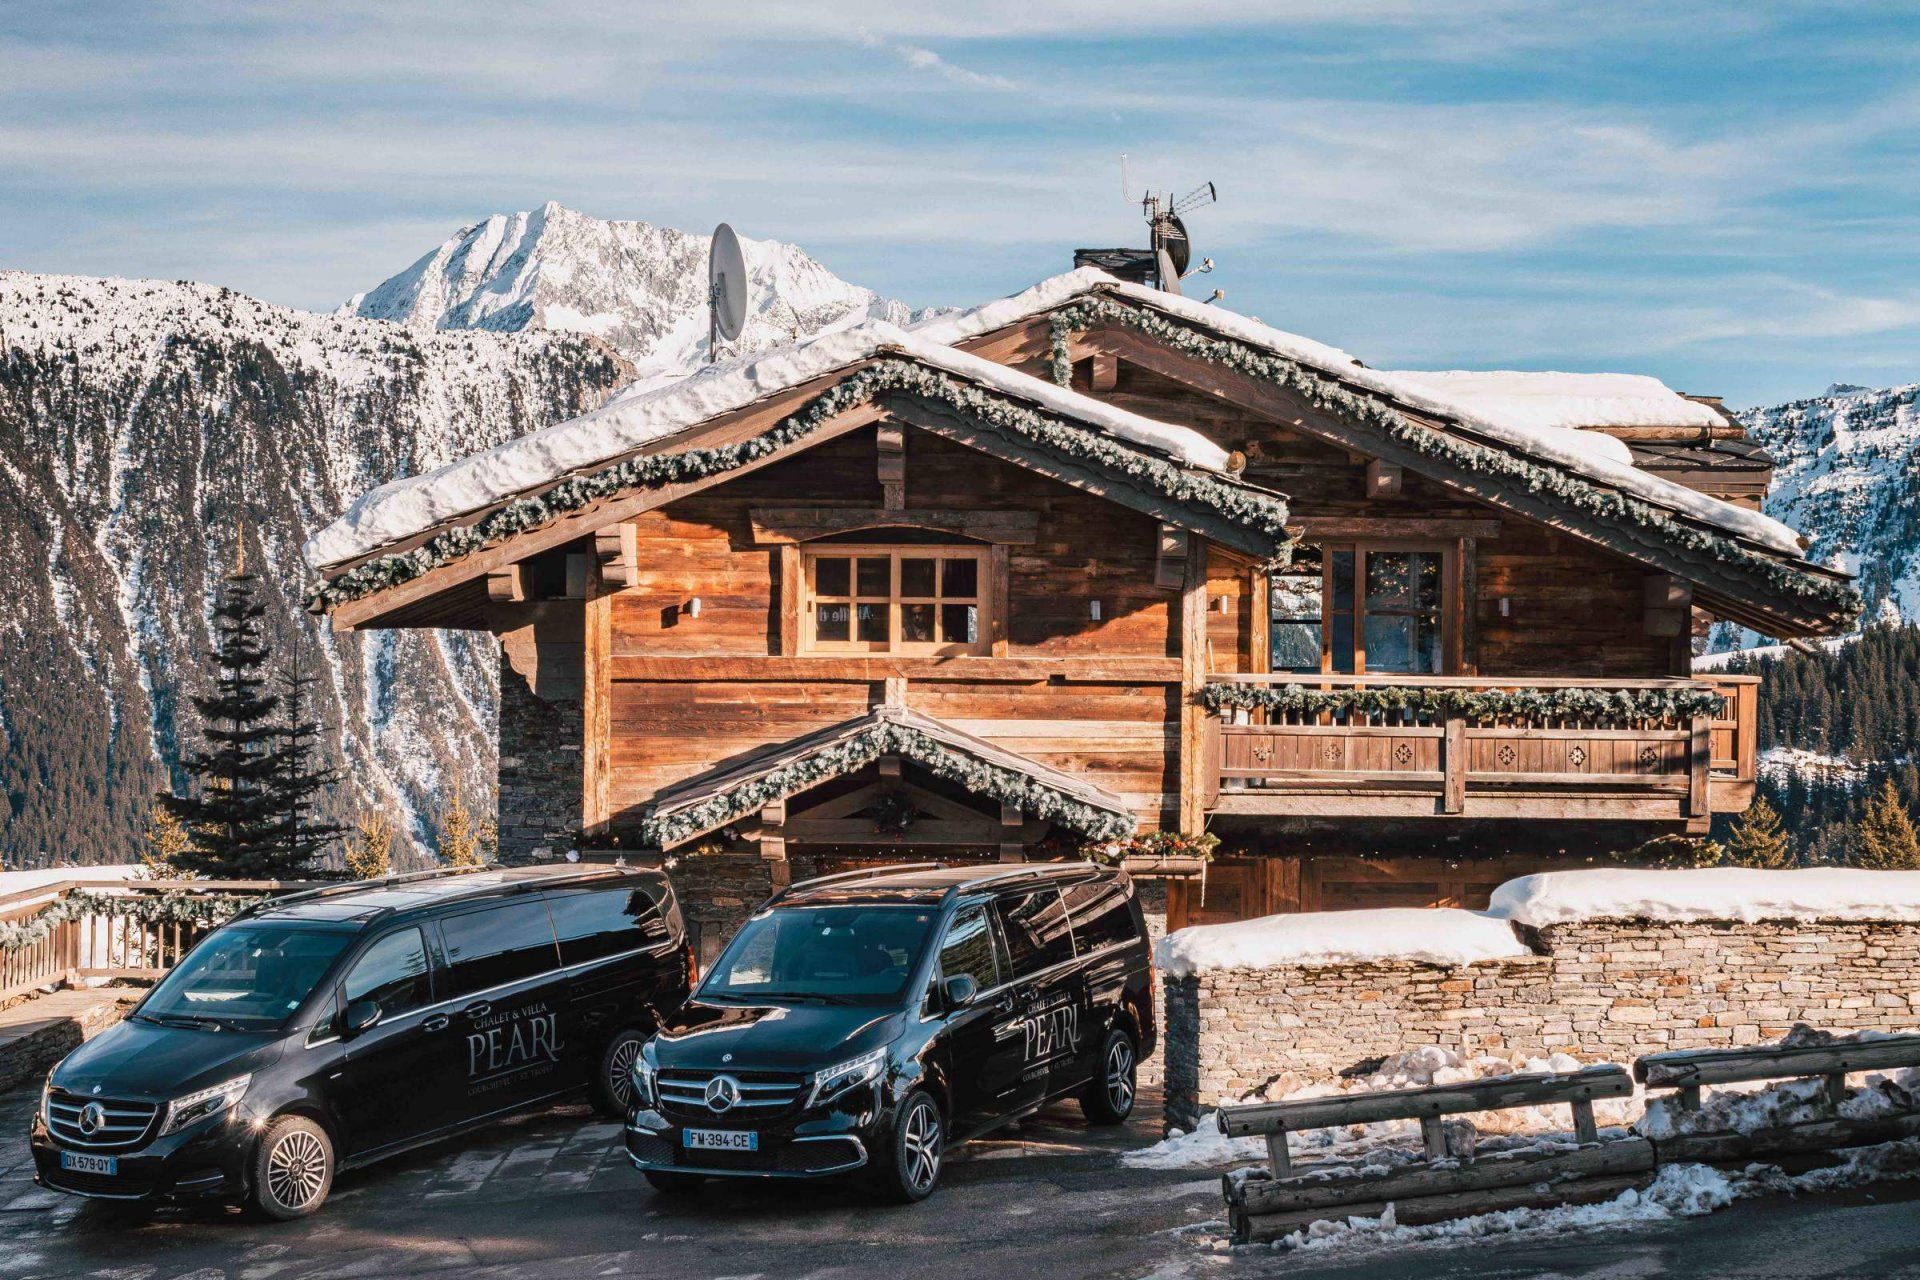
[(360, 1015), (960, 990)]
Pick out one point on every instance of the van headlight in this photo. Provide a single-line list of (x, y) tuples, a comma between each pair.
[(846, 1077), (641, 1073), (198, 1105)]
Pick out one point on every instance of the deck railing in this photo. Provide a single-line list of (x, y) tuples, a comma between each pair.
[(1545, 763), (104, 945)]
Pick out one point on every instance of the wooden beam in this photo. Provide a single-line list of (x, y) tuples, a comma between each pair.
[(1193, 675), (868, 670), (782, 525), (1383, 479), (999, 573), (792, 594), (1669, 605), (891, 466), (507, 584), (1170, 558), (1106, 371), (618, 550), (1437, 528)]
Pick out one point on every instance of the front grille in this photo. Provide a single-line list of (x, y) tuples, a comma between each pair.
[(121, 1123), (96, 1184), (784, 1157), (649, 1149), (763, 1095)]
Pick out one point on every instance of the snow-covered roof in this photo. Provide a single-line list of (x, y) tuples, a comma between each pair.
[(1417, 934), (1537, 414), (1709, 893), (647, 412)]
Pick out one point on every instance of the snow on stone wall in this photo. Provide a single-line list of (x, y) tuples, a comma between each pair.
[(1600, 990)]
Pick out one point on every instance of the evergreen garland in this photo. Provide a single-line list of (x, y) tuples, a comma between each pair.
[(181, 907), (887, 737), (1328, 395), (1419, 702), (1265, 513)]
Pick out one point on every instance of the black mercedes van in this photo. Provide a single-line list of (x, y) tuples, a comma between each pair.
[(331, 1028), (866, 1022)]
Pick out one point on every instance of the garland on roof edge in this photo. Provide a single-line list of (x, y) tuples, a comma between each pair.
[(1326, 394), (170, 908), (887, 738), (1263, 512), (1416, 702)]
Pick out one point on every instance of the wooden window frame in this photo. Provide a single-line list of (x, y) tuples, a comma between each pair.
[(986, 593), (1452, 608)]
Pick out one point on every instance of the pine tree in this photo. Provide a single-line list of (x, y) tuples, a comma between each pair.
[(297, 780), (167, 845), (235, 817), (1758, 839), (462, 835), (370, 852), (1886, 840)]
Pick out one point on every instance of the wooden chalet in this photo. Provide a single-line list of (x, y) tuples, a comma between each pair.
[(1094, 561)]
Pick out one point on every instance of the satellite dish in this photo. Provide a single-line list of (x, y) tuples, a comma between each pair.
[(1179, 248), (1169, 274), (726, 288)]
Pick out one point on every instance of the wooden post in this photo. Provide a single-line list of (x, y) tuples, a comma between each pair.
[(1277, 1153), (1193, 674), (1453, 761), (892, 466), (507, 584), (792, 624), (773, 844), (1584, 1129), (596, 711), (997, 570), (1836, 1084), (1106, 371), (1689, 1097), (1433, 1136), (1699, 762)]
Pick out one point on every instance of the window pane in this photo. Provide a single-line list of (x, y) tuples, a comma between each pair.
[(871, 623), (1391, 643), (1100, 914), (1036, 929), (875, 575), (1340, 568), (1390, 580), (969, 949), (830, 620), (393, 973), (605, 922), (830, 576), (916, 622), (1294, 597), (1341, 625), (499, 945), (960, 577), (960, 623), (1427, 581), (916, 577)]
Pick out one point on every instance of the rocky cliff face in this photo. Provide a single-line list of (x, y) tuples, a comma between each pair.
[(152, 432)]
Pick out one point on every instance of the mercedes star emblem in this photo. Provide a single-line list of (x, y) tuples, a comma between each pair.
[(723, 1093), (93, 1117)]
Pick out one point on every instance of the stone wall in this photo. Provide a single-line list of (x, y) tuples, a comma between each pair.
[(1599, 990), (540, 772)]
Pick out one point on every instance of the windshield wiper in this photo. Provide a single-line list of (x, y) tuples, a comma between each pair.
[(182, 1020)]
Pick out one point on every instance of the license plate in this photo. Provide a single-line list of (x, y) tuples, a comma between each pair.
[(73, 1160), (720, 1139)]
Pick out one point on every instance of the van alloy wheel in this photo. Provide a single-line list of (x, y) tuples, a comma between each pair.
[(297, 1169), (921, 1144), (1120, 1074), (620, 1071)]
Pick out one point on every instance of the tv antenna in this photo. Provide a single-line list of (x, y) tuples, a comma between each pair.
[(726, 290), (1172, 247)]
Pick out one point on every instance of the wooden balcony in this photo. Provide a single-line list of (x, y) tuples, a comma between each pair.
[(1408, 763)]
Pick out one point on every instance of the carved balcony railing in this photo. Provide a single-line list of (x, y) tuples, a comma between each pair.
[(1567, 753)]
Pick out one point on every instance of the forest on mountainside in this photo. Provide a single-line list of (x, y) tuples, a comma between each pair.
[(1833, 726)]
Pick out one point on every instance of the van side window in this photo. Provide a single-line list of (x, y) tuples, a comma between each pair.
[(597, 923), (968, 949), (499, 945), (1036, 928), (393, 972), (1100, 914)]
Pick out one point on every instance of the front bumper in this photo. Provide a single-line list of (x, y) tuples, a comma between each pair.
[(820, 1147), (206, 1161)]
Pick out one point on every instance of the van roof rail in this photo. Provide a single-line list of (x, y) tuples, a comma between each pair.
[(1041, 871), (865, 873), (357, 886)]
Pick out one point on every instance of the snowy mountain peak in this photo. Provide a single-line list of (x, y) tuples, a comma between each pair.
[(640, 288)]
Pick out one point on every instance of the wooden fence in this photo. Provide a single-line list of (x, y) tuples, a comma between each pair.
[(1264, 1205), (103, 945)]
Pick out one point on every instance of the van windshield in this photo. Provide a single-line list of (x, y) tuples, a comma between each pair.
[(248, 978), (830, 955)]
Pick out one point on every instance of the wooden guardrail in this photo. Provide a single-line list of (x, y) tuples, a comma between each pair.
[(1267, 1204), (105, 946)]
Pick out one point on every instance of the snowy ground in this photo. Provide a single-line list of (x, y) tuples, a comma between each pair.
[(1677, 1192)]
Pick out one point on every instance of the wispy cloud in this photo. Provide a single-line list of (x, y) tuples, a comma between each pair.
[(920, 58)]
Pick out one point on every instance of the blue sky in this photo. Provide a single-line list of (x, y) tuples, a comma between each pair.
[(1720, 194)]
